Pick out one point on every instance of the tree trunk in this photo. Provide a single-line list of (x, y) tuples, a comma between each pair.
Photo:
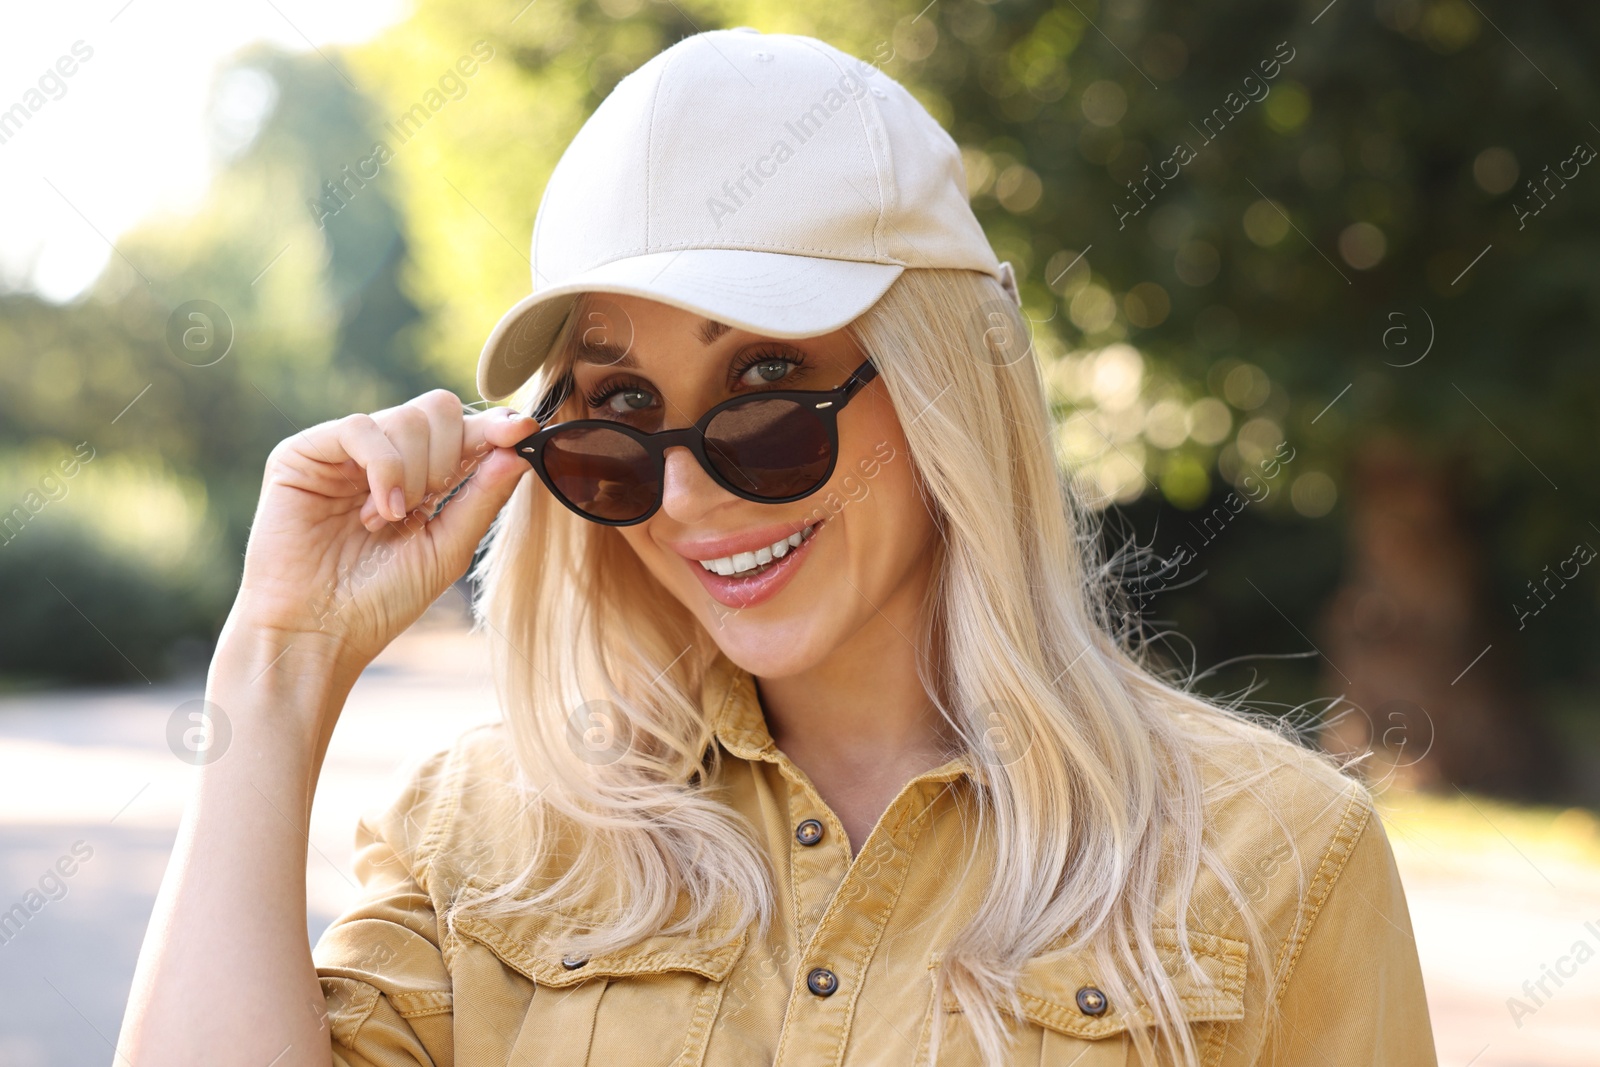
[(1405, 640)]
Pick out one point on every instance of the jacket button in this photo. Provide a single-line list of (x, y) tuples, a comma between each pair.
[(1091, 1001), (822, 982), (808, 832), (572, 963)]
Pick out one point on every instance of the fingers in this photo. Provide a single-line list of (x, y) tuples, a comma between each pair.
[(460, 527), (358, 437), (427, 431), (496, 428), (409, 453), (445, 427), (439, 445), (408, 427)]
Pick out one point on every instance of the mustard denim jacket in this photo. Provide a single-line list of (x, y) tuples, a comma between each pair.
[(844, 977)]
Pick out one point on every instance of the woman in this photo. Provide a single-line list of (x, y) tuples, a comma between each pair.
[(817, 744)]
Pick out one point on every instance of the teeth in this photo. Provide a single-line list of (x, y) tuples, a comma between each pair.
[(741, 562)]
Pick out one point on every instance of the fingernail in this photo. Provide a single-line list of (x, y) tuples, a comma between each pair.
[(397, 503)]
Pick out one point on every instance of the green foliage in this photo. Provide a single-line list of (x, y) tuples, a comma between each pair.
[(320, 325), (77, 613)]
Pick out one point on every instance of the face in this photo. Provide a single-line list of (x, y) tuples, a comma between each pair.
[(862, 568)]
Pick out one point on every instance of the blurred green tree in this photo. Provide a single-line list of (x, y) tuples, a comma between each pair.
[(307, 319), (1312, 213)]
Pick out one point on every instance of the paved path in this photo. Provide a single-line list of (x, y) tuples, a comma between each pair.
[(91, 771), (94, 767)]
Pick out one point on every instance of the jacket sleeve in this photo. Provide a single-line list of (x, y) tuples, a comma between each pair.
[(384, 979), (1354, 996)]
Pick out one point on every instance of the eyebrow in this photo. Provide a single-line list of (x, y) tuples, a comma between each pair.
[(610, 354), (711, 329)]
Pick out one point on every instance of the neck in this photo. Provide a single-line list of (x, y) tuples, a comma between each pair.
[(865, 705)]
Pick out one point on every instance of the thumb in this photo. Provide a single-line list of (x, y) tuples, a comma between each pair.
[(465, 518)]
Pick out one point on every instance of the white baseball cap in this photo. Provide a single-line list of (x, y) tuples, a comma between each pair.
[(768, 181)]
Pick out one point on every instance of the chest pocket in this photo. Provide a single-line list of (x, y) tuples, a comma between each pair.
[(651, 1003), (1063, 1021)]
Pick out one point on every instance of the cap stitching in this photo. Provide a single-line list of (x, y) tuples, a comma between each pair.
[(656, 93), (861, 119)]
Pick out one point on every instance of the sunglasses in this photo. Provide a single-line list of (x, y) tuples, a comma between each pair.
[(770, 447)]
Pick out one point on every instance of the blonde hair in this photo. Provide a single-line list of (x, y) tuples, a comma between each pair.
[(1097, 805)]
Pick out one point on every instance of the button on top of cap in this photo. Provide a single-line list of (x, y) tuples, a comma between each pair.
[(744, 29)]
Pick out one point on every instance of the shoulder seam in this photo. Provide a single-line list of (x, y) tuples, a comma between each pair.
[(1352, 824)]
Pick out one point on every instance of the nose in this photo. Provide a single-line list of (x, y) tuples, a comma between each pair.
[(687, 490)]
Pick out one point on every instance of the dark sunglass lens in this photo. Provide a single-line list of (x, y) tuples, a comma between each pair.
[(771, 448), (603, 473)]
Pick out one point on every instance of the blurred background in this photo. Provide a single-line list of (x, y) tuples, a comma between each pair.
[(1321, 361)]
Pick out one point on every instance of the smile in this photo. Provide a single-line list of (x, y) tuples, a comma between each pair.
[(750, 564), (745, 579)]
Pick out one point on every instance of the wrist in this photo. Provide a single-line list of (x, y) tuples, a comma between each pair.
[(261, 647), (294, 682)]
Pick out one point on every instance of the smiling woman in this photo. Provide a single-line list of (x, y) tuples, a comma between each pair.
[(879, 785)]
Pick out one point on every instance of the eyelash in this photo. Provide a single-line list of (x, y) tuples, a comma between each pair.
[(750, 359)]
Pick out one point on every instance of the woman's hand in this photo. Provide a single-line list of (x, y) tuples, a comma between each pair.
[(343, 551)]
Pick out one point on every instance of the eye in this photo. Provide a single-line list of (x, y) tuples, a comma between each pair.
[(620, 398), (768, 370), (631, 400), (760, 368)]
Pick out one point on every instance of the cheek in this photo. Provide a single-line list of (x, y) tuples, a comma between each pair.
[(875, 488), (651, 556), (900, 522)]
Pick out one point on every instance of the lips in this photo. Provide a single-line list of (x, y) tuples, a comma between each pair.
[(732, 544), (739, 593)]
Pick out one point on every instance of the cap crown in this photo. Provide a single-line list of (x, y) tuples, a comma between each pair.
[(736, 139)]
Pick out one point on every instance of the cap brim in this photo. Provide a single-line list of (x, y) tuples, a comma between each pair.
[(772, 293)]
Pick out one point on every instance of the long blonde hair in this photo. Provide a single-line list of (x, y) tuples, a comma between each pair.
[(1097, 805)]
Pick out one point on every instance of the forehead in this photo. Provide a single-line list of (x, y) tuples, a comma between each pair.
[(612, 331), (607, 327)]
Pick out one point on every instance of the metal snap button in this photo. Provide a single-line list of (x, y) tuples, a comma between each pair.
[(572, 963), (1091, 1001), (808, 832), (822, 982)]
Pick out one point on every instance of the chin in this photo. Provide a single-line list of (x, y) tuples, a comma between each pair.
[(783, 622), (781, 650)]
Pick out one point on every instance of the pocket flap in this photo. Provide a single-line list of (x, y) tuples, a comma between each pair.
[(535, 947), (1049, 985)]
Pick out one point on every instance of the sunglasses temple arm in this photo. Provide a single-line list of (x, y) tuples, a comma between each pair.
[(863, 374)]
